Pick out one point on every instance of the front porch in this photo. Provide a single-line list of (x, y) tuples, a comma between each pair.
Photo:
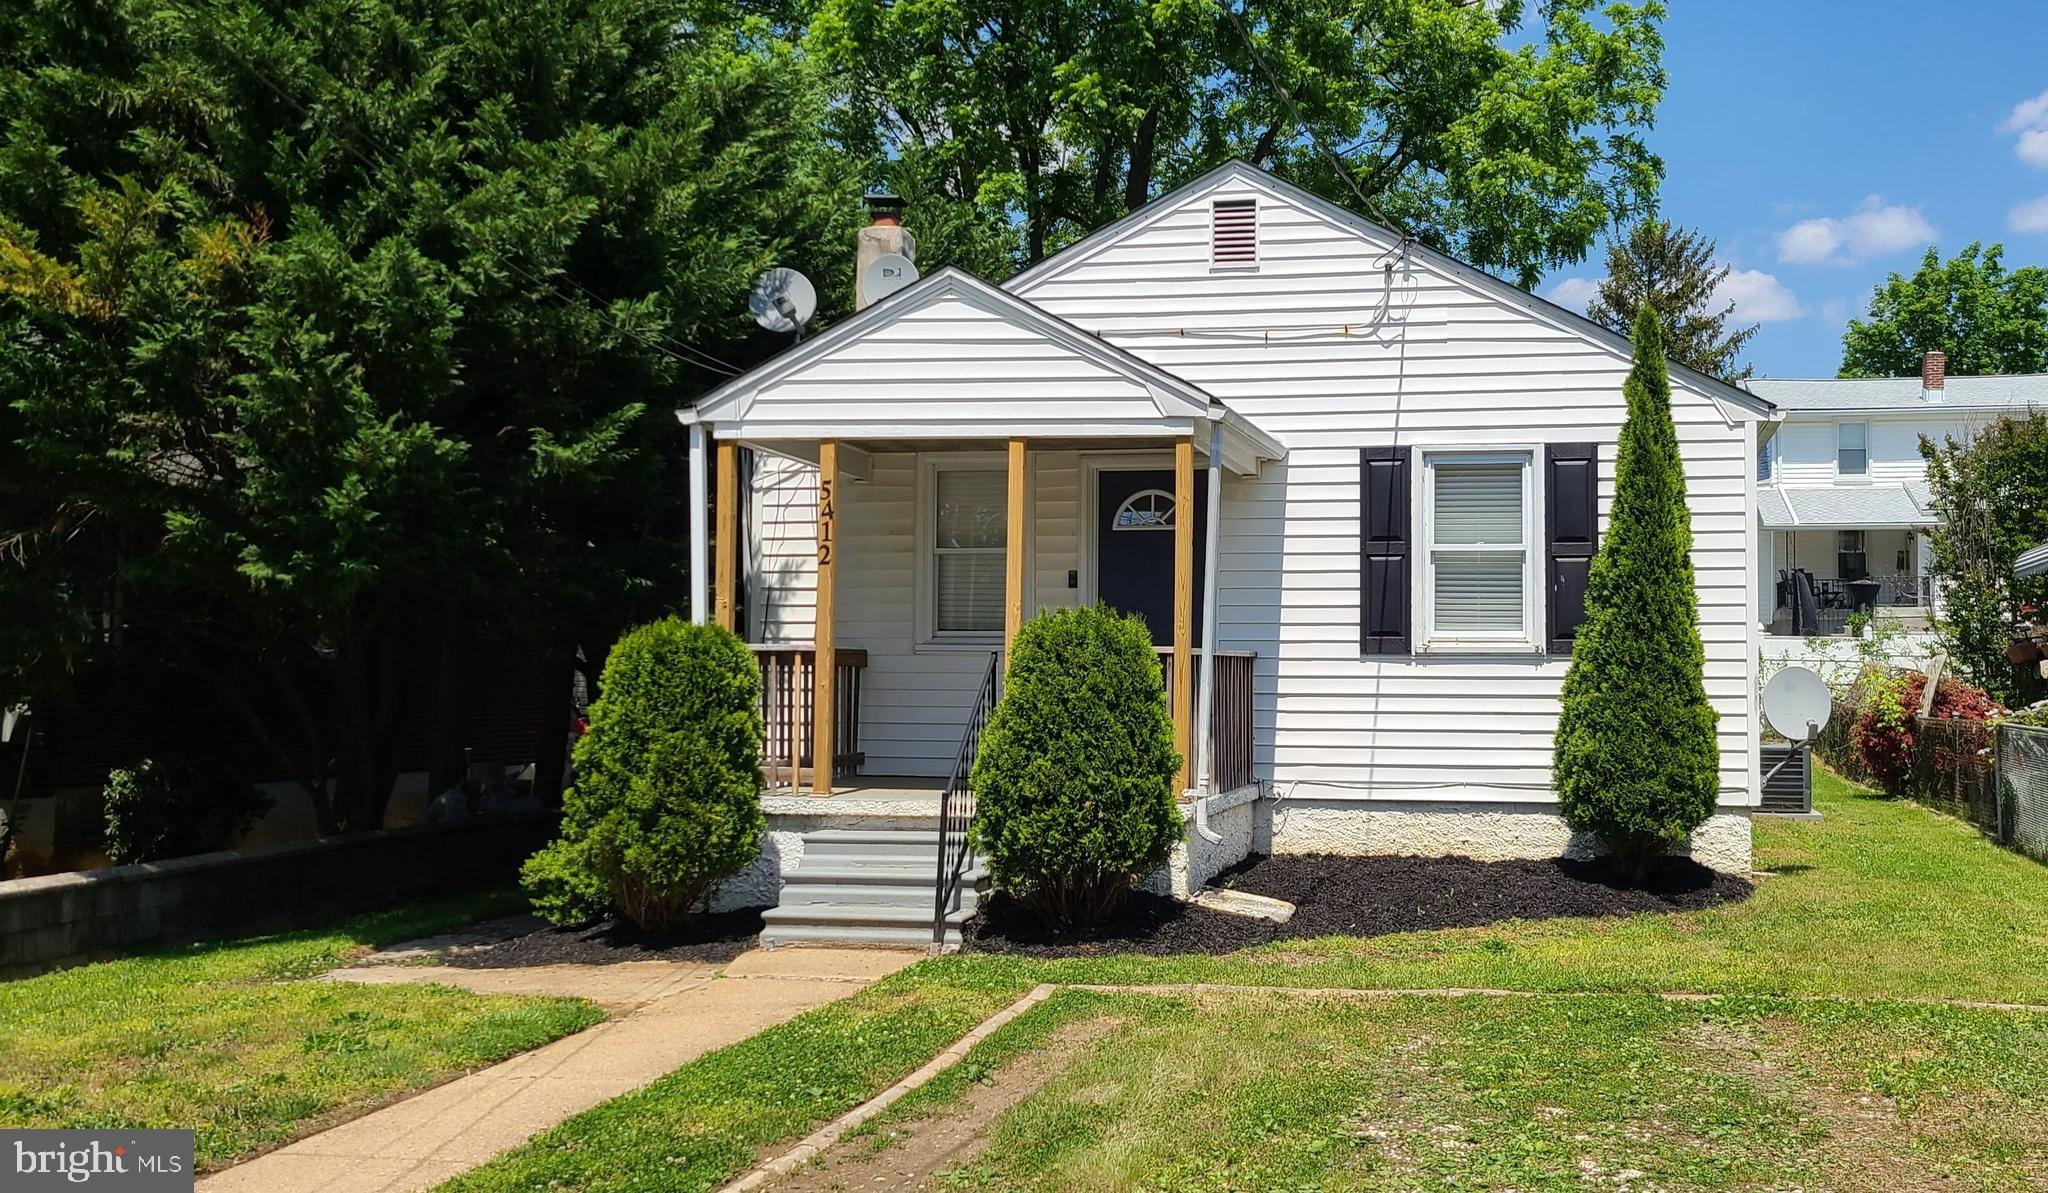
[(1839, 563)]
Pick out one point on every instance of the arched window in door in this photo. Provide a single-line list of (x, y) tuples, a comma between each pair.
[(1147, 509)]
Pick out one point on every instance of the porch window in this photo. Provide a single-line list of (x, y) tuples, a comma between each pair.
[(1478, 591), (1852, 449), (970, 517), (1851, 561)]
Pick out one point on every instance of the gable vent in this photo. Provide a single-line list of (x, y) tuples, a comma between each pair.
[(1234, 232)]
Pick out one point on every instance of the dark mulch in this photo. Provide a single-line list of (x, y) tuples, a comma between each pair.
[(714, 938), (1364, 896)]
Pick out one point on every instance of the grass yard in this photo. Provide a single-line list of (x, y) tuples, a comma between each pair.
[(1769, 1089), (231, 1039)]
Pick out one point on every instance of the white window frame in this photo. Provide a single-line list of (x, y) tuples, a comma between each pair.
[(1855, 476), (1528, 640), (926, 568)]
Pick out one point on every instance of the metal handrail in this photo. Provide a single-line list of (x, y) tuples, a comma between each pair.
[(956, 805)]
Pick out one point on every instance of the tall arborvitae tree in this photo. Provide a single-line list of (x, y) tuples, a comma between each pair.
[(1637, 764), (339, 327), (1672, 269)]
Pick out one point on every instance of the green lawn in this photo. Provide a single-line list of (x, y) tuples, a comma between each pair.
[(1880, 902), (233, 1040)]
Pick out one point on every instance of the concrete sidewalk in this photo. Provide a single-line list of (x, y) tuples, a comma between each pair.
[(665, 1015)]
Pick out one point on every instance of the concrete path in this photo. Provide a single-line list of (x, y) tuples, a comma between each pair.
[(665, 1014)]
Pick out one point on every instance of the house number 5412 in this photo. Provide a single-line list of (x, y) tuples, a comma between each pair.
[(828, 517)]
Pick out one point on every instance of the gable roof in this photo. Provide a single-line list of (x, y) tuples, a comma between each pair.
[(1174, 396), (1239, 171), (2018, 391)]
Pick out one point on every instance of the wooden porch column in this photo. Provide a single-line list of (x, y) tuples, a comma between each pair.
[(826, 680), (1015, 541), (1183, 609), (726, 574)]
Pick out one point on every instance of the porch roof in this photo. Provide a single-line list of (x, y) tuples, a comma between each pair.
[(954, 359), (1843, 507)]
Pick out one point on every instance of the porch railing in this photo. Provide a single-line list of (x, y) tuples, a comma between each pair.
[(1231, 752), (956, 805), (788, 689)]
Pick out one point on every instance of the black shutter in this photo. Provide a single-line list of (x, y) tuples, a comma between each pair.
[(1571, 522), (1385, 564)]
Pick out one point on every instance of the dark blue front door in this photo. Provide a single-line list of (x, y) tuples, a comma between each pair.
[(1134, 520)]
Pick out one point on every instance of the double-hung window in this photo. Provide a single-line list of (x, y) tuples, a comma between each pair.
[(969, 519), (1477, 530), (1852, 449)]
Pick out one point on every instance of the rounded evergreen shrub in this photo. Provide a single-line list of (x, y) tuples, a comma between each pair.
[(1074, 780), (1637, 764), (175, 807), (667, 798)]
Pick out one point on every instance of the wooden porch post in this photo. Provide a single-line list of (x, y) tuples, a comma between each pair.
[(827, 671), (1015, 542), (726, 574), (1183, 608)]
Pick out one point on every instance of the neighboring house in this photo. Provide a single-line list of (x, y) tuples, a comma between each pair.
[(1843, 492), (1406, 460)]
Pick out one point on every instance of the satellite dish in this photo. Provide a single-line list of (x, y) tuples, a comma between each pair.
[(783, 300), (8, 720), (1797, 703), (885, 275)]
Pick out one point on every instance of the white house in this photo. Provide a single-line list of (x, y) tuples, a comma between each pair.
[(1843, 488), (1352, 483)]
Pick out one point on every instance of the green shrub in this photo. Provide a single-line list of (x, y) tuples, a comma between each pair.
[(1074, 781), (175, 807), (1887, 729), (667, 797), (1637, 764)]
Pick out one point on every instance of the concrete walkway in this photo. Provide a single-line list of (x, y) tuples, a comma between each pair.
[(665, 1014)]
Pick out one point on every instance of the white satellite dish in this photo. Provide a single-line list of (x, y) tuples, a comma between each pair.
[(1797, 703), (885, 275), (8, 720), (783, 300)]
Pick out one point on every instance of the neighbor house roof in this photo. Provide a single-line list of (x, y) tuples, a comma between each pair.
[(1830, 394), (1843, 507), (2032, 562)]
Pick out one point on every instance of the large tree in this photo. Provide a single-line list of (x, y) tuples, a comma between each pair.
[(342, 326), (1509, 134), (1991, 491), (1985, 318), (1672, 270)]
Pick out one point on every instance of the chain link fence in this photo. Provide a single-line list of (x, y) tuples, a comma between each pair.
[(1955, 770), (2022, 783)]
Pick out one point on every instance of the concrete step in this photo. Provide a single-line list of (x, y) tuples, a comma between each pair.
[(868, 886), (913, 938)]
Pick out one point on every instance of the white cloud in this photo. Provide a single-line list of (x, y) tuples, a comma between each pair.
[(1573, 293), (1872, 230), (1758, 297), (2030, 216), (2033, 147), (2028, 113)]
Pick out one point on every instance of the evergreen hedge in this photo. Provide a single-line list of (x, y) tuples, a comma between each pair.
[(1637, 764), (1074, 780), (667, 795)]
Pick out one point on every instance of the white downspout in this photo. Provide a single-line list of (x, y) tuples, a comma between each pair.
[(1205, 684), (700, 508)]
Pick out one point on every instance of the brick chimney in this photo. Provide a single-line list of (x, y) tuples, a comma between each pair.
[(1933, 377), (883, 236)]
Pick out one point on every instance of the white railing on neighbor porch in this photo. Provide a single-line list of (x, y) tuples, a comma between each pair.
[(1906, 595)]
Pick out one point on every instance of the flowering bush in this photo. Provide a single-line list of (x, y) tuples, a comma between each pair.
[(1885, 733)]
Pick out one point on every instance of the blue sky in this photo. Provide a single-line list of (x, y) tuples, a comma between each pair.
[(1825, 144)]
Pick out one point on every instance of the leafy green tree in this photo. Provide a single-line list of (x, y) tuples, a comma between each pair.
[(1510, 142), (347, 325), (1074, 779), (667, 800), (1986, 319), (1637, 764), (1672, 269), (1991, 492)]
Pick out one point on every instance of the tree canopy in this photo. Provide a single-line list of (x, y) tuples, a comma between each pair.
[(1505, 133), (1991, 492), (327, 326), (1984, 318), (1672, 271)]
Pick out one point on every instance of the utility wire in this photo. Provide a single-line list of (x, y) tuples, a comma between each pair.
[(1301, 122), (694, 357)]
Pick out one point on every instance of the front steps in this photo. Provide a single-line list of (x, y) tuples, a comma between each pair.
[(868, 886)]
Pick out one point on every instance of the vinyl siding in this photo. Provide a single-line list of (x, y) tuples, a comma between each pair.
[(1806, 445)]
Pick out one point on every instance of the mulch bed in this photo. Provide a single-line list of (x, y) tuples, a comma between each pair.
[(1363, 896), (714, 938)]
